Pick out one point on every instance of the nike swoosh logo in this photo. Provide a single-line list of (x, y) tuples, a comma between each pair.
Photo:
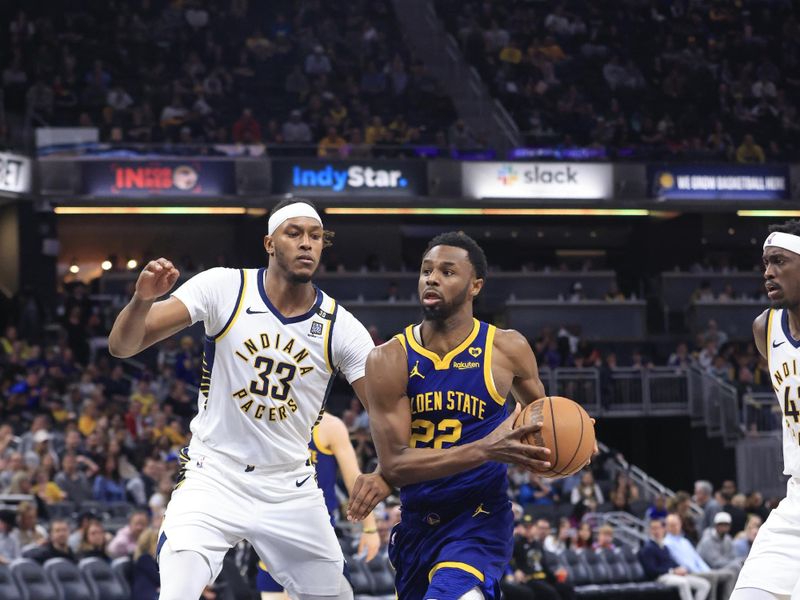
[(250, 311), (774, 345), (299, 483)]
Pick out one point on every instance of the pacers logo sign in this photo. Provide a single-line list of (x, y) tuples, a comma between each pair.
[(158, 178), (368, 178)]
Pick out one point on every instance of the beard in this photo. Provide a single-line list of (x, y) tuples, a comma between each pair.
[(783, 304), (444, 309), (285, 264)]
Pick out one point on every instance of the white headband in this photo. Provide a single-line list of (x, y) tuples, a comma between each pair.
[(787, 241), (290, 211)]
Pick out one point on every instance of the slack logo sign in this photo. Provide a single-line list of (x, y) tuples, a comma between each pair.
[(354, 177)]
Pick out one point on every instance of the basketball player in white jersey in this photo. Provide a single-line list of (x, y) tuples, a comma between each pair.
[(273, 345), (772, 569)]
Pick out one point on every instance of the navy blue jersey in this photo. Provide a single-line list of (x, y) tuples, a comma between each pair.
[(454, 402), (325, 463)]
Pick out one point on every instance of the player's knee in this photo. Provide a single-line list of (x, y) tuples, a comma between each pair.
[(474, 594)]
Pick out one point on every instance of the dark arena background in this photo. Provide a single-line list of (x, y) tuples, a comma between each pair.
[(619, 161)]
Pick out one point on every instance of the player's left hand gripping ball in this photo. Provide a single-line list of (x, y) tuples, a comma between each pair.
[(369, 489)]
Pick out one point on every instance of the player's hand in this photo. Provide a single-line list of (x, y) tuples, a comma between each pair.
[(156, 279), (371, 542), (368, 490), (504, 445), (596, 450)]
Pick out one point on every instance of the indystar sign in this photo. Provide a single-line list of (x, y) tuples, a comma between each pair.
[(375, 178), (579, 181)]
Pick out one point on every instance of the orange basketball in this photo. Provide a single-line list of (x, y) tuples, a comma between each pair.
[(566, 430)]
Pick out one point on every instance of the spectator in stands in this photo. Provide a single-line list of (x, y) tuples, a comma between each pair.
[(57, 546), (605, 538), (124, 543), (531, 566), (750, 152), (332, 145), (744, 540), (755, 505), (14, 466), (657, 510), (703, 293), (659, 565), (246, 129), (563, 539), (623, 493), (738, 516), (716, 545), (686, 555), (109, 485), (9, 545), (460, 137), (45, 489), (74, 482), (680, 504), (146, 583), (85, 519), (295, 130), (317, 63), (681, 357), (145, 484), (584, 538), (28, 530), (587, 489), (94, 541), (703, 497)]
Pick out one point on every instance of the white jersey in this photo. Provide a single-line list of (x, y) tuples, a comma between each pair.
[(783, 356), (266, 377)]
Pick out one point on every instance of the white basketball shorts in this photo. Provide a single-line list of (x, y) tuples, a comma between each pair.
[(282, 513), (774, 560)]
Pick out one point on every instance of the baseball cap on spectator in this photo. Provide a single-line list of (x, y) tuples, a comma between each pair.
[(722, 517), (41, 436)]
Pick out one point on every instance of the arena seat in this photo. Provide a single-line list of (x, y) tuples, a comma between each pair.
[(31, 580), (360, 577), (66, 579), (622, 577), (61, 510), (382, 575), (8, 587), (102, 582), (123, 569), (579, 574)]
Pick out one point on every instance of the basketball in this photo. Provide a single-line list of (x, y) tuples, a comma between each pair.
[(566, 430)]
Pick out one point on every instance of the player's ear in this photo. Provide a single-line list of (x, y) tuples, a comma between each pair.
[(269, 245), (477, 286)]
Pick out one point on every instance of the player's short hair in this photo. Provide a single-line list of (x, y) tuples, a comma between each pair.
[(327, 235), (459, 239), (792, 226)]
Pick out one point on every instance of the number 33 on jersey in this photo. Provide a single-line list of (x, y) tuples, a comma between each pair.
[(265, 376)]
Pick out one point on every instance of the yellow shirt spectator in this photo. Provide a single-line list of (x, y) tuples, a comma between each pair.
[(511, 54), (331, 145), (750, 152)]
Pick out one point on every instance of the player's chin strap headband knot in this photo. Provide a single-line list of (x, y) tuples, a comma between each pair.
[(290, 211), (787, 241)]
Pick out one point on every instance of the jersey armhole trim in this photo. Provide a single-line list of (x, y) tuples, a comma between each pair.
[(320, 448), (488, 378), (236, 309), (769, 332), (329, 338), (402, 339)]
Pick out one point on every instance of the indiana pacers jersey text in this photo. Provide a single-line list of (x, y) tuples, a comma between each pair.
[(453, 402), (455, 533), (783, 356), (265, 377)]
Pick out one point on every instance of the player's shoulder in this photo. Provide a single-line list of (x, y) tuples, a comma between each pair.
[(331, 425), (222, 275), (387, 355), (760, 322), (509, 340)]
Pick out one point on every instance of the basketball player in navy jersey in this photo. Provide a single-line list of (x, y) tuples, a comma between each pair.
[(441, 386), (331, 450)]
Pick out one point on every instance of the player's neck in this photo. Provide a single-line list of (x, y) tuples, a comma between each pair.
[(289, 297), (442, 336)]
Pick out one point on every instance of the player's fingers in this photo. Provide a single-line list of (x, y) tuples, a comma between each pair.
[(173, 275), (521, 432), (537, 452), (537, 466), (166, 264), (154, 267)]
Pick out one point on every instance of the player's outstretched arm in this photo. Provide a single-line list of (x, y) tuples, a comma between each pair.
[(143, 322), (760, 332), (513, 352), (390, 422), (335, 435)]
